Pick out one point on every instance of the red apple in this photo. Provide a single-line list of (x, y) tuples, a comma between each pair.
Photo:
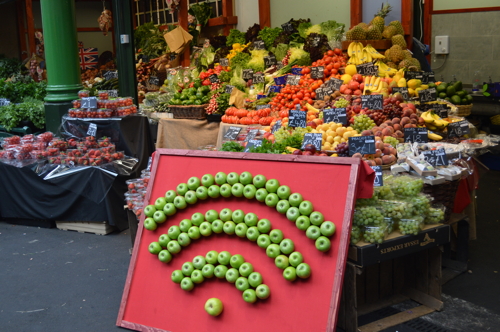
[(353, 85), (358, 78)]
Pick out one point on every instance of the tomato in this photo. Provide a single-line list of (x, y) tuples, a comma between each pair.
[(330, 53), (313, 95), (309, 100), (328, 60), (334, 71), (306, 70), (337, 51), (300, 95), (336, 65)]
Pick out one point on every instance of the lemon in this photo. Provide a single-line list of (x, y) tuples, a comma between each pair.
[(351, 70), (346, 78)]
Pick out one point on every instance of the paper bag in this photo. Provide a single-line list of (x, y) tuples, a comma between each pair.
[(177, 39), (237, 98)]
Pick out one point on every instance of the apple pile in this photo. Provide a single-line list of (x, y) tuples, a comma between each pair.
[(354, 87), (246, 117)]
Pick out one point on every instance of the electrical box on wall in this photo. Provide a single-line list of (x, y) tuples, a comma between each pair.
[(442, 45)]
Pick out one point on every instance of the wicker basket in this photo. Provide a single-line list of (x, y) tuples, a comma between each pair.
[(189, 111), (463, 110), (443, 193)]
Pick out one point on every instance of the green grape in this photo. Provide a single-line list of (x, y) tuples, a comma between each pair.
[(356, 234), (367, 201), (396, 209), (411, 226), (383, 192), (368, 216), (391, 140), (434, 216), (375, 234), (362, 122), (420, 204), (405, 185), (341, 103)]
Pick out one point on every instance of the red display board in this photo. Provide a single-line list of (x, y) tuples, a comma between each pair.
[(153, 302)]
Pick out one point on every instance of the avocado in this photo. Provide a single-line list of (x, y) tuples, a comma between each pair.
[(458, 86), (441, 87), (450, 91), (461, 93), (456, 100), (431, 85), (469, 99), (442, 95)]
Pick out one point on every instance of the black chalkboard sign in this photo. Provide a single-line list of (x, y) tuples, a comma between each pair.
[(232, 133), (254, 143), (361, 144), (214, 78), (320, 94), (457, 129), (143, 57), (373, 102), (334, 83), (379, 179), (258, 78), (259, 45), (4, 102), (259, 107), (229, 89), (247, 74), (269, 61), (276, 126), (337, 115), (427, 95), (367, 69), (293, 79), (418, 135), (404, 92), (251, 134), (154, 80), (112, 93), (297, 118), (436, 157), (440, 109), (224, 62), (428, 76), (288, 27), (89, 102), (312, 138), (110, 74), (409, 75), (318, 72), (315, 41)]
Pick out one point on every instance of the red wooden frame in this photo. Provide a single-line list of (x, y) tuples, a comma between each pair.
[(136, 287)]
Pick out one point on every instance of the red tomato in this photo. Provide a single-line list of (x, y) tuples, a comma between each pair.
[(330, 53), (306, 70)]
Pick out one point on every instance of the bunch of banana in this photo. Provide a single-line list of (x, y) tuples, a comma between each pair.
[(374, 84), (433, 121), (434, 136), (355, 53), (384, 70), (373, 52)]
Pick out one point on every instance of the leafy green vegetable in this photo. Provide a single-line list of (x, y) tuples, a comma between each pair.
[(17, 90), (280, 51), (257, 61), (302, 57), (223, 101), (149, 39), (207, 56), (240, 60), (303, 27), (332, 30), (30, 110), (202, 11), (317, 45), (313, 29), (235, 37), (225, 76), (9, 66), (252, 33), (237, 80), (268, 35), (231, 147)]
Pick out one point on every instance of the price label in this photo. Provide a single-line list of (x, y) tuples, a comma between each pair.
[(112, 93), (367, 69), (269, 61), (428, 76), (318, 72), (224, 62), (254, 143), (247, 74), (314, 139), (275, 88), (259, 45), (110, 74), (293, 79), (418, 135), (276, 126), (379, 179), (337, 115), (297, 118), (214, 78), (320, 94), (409, 75), (457, 129), (259, 107), (436, 157), (427, 95), (89, 102), (92, 130), (361, 144), (373, 102), (232, 133), (154, 80), (404, 92), (288, 27), (334, 83), (4, 102), (440, 109), (315, 41), (229, 89), (258, 78), (251, 134)]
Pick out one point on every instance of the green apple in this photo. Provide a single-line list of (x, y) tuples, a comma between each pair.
[(217, 226), (272, 199), (214, 306), (232, 274), (225, 214), (292, 213), (251, 219), (306, 208), (252, 233), (233, 178), (242, 284), (236, 261), (177, 276), (187, 268), (259, 181), (295, 199), (214, 191), (191, 197), (220, 271), (150, 224), (202, 193), (224, 257), (295, 258), (272, 185), (180, 202), (182, 189), (169, 209), (283, 206), (211, 215), (164, 240), (264, 226), (159, 217), (261, 194), (241, 230), (249, 296), (208, 271), (194, 232), (316, 218), (184, 239), (205, 228), (313, 232), (246, 178), (255, 279), (262, 291), (303, 271), (207, 180), (173, 232), (290, 273), (197, 218), (149, 210), (197, 277), (302, 223), (273, 250), (284, 192), (160, 203), (281, 261), (287, 246), (193, 183), (220, 178), (155, 248), (187, 284), (170, 195), (174, 247), (199, 261), (237, 189), (327, 228), (276, 235), (263, 241), (323, 243), (211, 257), (249, 191), (238, 216), (229, 227), (185, 224)]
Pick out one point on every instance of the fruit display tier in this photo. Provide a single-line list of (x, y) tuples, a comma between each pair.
[(152, 300)]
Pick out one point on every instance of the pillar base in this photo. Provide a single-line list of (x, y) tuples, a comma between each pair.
[(53, 115), (61, 93)]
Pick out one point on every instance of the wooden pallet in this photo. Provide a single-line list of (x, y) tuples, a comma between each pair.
[(99, 228)]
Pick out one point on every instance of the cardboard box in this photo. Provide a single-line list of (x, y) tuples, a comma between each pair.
[(177, 39)]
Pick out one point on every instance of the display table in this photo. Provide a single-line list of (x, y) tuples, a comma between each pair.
[(186, 134)]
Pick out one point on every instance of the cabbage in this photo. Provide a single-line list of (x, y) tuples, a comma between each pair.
[(314, 29), (302, 57), (280, 51), (257, 61)]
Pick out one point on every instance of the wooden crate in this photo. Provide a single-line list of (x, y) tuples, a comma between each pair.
[(99, 228)]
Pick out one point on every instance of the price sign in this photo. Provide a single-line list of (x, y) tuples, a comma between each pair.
[(441, 110), (247, 74), (89, 102), (418, 135), (275, 88), (297, 118), (334, 83), (318, 72), (320, 94), (404, 92), (337, 115), (428, 76), (269, 61), (251, 134), (276, 126), (229, 89), (232, 133), (457, 129), (224, 62), (154, 80), (436, 157), (92, 130), (214, 78), (361, 144), (409, 75), (112, 93), (145, 58), (379, 179), (288, 27), (315, 41), (254, 143), (259, 107), (427, 95), (258, 78), (4, 102), (293, 79), (314, 139), (367, 69), (259, 45), (373, 102), (110, 74)]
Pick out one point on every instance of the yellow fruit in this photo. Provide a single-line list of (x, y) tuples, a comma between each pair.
[(327, 146), (351, 70), (330, 139), (414, 83), (343, 140), (337, 139), (401, 82), (346, 78)]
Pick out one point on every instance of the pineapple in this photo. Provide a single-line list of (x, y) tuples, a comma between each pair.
[(415, 63), (348, 35), (392, 65), (358, 33), (379, 19), (404, 64), (396, 54), (373, 33), (364, 26), (407, 54), (398, 26), (389, 31), (378, 22), (399, 40)]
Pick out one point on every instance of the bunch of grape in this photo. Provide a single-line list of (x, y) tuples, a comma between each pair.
[(390, 224), (405, 185), (383, 192), (362, 122), (373, 201), (392, 109), (434, 215), (391, 140), (368, 215), (342, 149), (341, 103), (375, 234), (411, 226), (377, 116), (396, 209), (420, 204), (356, 234)]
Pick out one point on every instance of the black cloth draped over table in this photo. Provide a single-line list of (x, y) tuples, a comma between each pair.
[(80, 194)]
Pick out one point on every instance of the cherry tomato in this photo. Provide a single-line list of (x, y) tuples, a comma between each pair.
[(330, 53)]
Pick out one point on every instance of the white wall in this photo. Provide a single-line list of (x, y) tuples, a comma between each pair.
[(461, 4), (247, 12), (317, 10)]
